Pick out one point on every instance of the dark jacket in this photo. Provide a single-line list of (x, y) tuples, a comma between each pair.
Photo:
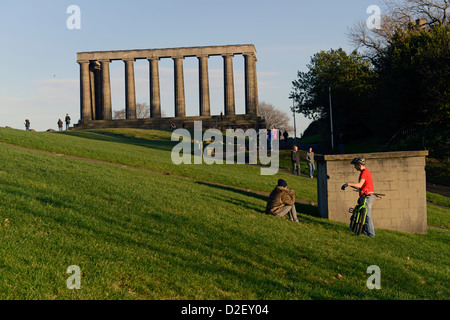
[(295, 156), (279, 198)]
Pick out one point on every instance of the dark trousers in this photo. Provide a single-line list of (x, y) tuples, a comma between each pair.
[(296, 167)]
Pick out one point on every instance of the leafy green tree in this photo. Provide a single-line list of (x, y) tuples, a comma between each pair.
[(351, 79), (414, 88), (415, 77), (401, 80)]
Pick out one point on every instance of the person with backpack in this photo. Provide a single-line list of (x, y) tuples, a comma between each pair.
[(366, 190), (27, 124), (60, 124), (282, 201)]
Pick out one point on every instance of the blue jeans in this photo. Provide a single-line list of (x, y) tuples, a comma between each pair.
[(368, 228), (311, 169)]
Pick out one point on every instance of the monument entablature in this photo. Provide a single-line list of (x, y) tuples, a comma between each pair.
[(95, 85), (247, 49)]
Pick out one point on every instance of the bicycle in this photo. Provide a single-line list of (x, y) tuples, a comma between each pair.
[(359, 213)]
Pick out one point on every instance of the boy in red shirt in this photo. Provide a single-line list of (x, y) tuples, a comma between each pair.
[(365, 187)]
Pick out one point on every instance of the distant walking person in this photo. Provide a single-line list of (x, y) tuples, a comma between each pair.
[(285, 135), (295, 158), (310, 162), (60, 124), (27, 124), (274, 135), (282, 201), (67, 121)]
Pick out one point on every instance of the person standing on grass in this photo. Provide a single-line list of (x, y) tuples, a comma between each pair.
[(27, 124), (60, 124), (282, 201), (67, 121), (366, 190), (295, 159), (310, 162)]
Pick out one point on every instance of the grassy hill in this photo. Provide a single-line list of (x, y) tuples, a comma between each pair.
[(138, 234)]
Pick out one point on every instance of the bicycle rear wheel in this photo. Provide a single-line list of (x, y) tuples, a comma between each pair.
[(361, 221)]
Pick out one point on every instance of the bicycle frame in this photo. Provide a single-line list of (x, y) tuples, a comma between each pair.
[(359, 214)]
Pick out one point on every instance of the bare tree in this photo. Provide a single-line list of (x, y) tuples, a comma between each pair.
[(274, 117), (397, 16), (142, 112), (120, 114), (434, 11)]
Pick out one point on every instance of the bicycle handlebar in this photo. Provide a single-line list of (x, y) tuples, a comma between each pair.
[(378, 195)]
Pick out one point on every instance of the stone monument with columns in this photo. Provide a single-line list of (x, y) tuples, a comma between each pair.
[(95, 88)]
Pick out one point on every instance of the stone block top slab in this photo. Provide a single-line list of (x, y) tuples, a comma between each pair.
[(375, 155)]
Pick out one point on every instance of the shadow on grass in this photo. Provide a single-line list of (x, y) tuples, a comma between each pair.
[(302, 208), (307, 209), (118, 138)]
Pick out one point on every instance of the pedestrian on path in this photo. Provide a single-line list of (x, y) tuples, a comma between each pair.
[(310, 162), (295, 159)]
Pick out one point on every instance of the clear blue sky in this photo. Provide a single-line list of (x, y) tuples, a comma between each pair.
[(39, 75)]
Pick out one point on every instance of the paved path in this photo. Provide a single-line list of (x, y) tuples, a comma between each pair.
[(442, 190)]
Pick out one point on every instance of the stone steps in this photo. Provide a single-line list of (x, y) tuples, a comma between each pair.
[(243, 121)]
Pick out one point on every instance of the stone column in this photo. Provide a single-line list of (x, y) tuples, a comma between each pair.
[(130, 90), (180, 107), (92, 90), (228, 81), (106, 91), (155, 96), (250, 85), (85, 91), (98, 91), (205, 109), (255, 79)]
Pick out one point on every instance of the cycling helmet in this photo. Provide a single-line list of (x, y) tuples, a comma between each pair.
[(359, 160)]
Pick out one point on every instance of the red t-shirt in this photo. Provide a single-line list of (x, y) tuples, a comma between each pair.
[(367, 186)]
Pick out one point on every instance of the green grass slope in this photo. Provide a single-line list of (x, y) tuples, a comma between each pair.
[(151, 150), (141, 235)]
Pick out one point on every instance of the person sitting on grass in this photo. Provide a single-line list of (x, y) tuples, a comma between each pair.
[(282, 201)]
